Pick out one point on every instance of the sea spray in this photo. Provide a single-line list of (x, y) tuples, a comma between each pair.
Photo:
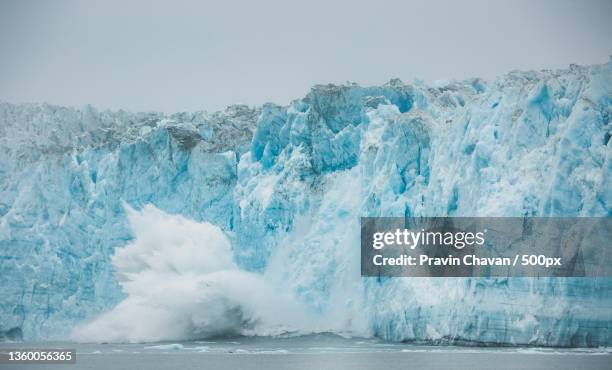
[(182, 284)]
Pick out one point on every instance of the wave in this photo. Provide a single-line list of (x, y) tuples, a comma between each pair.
[(182, 284)]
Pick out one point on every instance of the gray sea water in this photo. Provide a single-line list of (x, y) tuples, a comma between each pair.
[(313, 352)]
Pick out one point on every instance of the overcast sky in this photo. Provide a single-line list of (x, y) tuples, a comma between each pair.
[(183, 55)]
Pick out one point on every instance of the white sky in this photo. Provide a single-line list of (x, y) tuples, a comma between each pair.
[(193, 55)]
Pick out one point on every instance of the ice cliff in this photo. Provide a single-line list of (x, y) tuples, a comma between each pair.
[(274, 194)]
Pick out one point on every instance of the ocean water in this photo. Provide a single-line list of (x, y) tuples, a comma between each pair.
[(322, 351)]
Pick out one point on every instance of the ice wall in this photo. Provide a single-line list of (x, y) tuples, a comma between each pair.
[(64, 177), (287, 185)]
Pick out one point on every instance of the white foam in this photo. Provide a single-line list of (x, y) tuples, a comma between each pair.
[(182, 284), (173, 346)]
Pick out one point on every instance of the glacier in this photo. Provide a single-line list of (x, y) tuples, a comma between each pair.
[(109, 220)]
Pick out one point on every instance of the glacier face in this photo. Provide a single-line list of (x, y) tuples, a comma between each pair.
[(287, 185)]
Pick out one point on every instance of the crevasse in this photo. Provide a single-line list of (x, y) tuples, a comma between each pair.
[(287, 185)]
